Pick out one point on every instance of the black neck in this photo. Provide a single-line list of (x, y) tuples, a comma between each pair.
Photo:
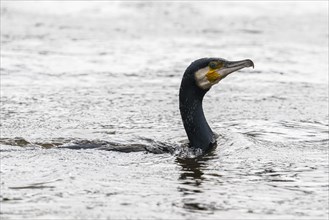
[(190, 104)]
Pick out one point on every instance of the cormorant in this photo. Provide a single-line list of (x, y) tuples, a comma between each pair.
[(198, 78)]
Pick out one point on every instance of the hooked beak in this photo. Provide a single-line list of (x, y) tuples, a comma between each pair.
[(232, 66)]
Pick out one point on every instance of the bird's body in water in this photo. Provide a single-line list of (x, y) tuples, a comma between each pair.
[(198, 78)]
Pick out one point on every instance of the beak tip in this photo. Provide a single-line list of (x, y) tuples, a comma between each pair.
[(252, 64)]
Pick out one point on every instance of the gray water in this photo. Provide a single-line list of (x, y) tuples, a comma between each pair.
[(90, 126)]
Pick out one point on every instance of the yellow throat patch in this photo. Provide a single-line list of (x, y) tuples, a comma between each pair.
[(207, 77), (212, 75)]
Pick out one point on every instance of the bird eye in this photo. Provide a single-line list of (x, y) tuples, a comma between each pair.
[(212, 65)]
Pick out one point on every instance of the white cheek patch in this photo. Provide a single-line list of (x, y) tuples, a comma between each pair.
[(202, 80)]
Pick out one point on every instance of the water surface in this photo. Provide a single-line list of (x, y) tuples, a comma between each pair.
[(90, 126)]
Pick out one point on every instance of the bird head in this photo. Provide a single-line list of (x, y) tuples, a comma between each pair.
[(209, 71)]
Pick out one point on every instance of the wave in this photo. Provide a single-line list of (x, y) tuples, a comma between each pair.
[(137, 145), (228, 143)]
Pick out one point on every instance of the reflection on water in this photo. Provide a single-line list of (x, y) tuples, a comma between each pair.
[(191, 179)]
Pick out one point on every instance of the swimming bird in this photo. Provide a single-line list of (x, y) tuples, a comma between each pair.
[(197, 80)]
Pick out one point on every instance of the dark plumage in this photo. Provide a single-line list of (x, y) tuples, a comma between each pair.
[(191, 95)]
